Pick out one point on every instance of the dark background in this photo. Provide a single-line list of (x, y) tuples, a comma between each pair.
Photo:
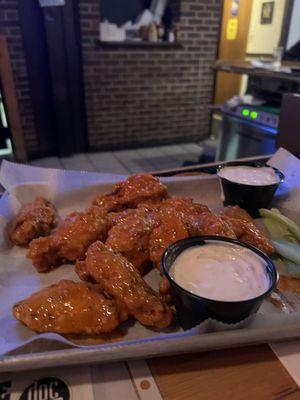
[(120, 11)]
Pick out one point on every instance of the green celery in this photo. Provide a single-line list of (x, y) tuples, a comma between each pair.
[(280, 226)]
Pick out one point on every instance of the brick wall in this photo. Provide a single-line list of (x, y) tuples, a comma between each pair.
[(141, 96), (137, 96), (10, 27)]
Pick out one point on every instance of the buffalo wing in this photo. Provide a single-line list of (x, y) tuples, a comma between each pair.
[(117, 276), (70, 307), (71, 239), (33, 220)]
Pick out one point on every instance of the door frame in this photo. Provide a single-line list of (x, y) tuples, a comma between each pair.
[(8, 92), (52, 45)]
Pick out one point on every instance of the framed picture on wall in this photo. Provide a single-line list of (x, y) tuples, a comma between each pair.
[(267, 11)]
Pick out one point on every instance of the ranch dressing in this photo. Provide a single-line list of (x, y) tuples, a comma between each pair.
[(247, 175), (221, 271)]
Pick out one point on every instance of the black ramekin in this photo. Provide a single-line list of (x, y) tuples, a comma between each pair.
[(193, 309), (249, 197)]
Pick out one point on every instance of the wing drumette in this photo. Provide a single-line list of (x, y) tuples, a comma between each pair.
[(33, 220), (71, 239), (131, 192), (167, 230), (197, 218), (122, 281), (70, 307), (245, 229), (130, 237)]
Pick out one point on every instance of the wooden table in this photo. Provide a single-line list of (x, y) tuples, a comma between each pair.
[(243, 373)]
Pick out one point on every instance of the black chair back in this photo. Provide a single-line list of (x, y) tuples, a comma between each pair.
[(289, 124)]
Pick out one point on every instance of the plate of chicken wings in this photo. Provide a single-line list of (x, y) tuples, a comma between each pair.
[(112, 244), (90, 268)]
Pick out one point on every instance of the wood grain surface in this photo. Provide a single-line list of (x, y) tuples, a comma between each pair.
[(244, 373), (228, 85)]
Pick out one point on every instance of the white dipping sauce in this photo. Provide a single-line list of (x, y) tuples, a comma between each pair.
[(250, 175), (221, 271)]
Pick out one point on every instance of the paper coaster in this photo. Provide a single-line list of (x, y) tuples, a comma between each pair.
[(48, 384), (132, 380), (288, 354)]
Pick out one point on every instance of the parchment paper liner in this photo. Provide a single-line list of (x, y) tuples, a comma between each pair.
[(71, 190)]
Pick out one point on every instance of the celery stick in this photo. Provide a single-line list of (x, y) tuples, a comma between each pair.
[(291, 251), (288, 223), (278, 230)]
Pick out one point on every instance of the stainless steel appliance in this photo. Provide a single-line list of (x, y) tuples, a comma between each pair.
[(248, 131)]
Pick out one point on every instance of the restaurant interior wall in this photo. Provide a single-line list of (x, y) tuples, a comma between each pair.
[(246, 42), (232, 47), (146, 95), (10, 27), (270, 32), (133, 96), (294, 31)]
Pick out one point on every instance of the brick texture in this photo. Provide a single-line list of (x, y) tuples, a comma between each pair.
[(143, 96), (136, 96), (10, 27)]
